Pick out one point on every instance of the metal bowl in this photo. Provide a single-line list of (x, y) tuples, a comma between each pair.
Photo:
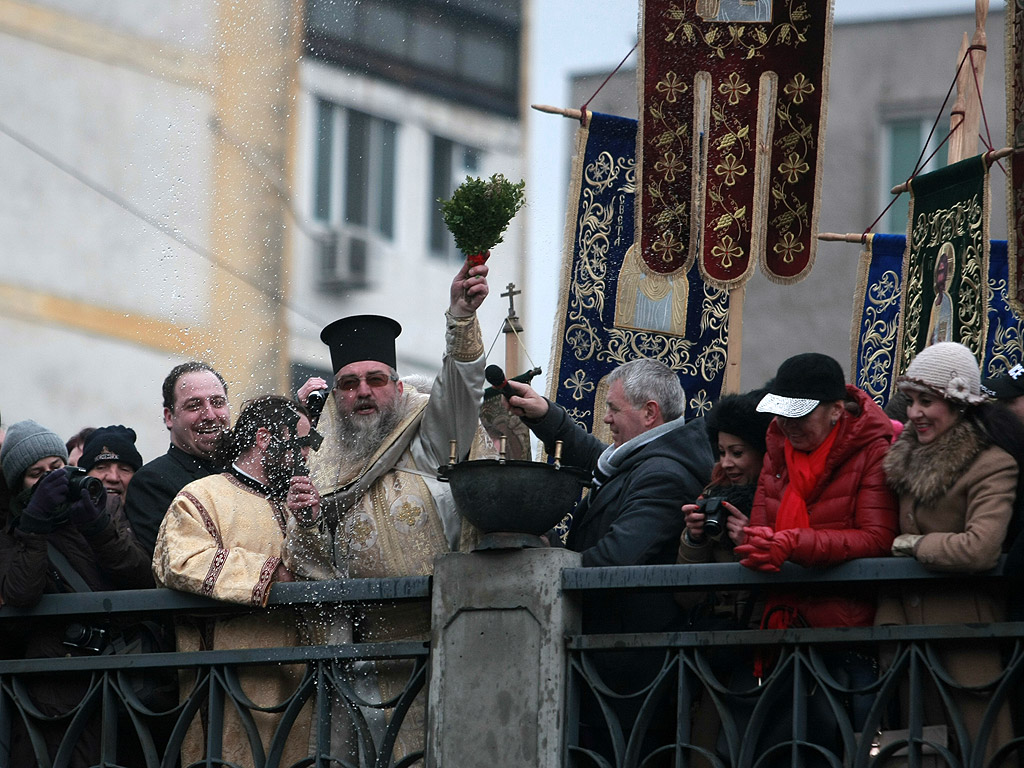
[(514, 496)]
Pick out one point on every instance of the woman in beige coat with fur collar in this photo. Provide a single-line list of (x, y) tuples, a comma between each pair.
[(956, 491)]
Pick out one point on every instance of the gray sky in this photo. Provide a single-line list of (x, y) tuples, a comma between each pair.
[(570, 36)]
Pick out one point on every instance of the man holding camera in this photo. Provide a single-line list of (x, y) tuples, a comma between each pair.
[(656, 463), (222, 538), (58, 537), (109, 454)]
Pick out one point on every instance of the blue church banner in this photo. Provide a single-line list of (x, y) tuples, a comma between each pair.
[(612, 307), (878, 317)]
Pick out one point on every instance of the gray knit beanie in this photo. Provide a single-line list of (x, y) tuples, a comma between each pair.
[(26, 443), (948, 370)]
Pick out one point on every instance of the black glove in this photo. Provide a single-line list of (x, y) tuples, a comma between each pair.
[(86, 514), (39, 515)]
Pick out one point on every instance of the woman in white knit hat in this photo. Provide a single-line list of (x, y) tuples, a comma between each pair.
[(956, 491)]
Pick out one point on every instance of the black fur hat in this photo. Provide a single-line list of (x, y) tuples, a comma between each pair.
[(738, 415)]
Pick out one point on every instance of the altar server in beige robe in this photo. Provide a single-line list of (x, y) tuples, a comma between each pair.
[(222, 538)]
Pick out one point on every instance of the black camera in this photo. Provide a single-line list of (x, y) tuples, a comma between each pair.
[(85, 637), (317, 398), (715, 516), (315, 402), (78, 481)]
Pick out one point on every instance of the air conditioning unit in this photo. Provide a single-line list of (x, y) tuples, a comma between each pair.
[(345, 258)]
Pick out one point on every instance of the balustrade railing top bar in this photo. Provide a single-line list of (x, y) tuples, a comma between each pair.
[(157, 601), (646, 577), (735, 576), (800, 636), (241, 657)]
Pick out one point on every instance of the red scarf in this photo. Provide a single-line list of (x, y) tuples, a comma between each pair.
[(805, 470)]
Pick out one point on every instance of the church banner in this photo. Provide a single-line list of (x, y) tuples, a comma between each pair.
[(945, 297), (876, 315), (612, 307), (1015, 139), (733, 126), (877, 306)]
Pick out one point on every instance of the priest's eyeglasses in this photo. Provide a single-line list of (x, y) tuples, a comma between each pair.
[(376, 380)]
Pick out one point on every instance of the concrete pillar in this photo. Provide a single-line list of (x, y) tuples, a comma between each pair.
[(498, 658)]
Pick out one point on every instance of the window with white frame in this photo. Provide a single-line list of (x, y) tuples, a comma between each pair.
[(904, 138), (450, 164), (353, 191)]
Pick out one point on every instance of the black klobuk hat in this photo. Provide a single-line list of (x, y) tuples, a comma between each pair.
[(361, 337)]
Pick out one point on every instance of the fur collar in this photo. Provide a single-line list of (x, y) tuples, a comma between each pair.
[(926, 472)]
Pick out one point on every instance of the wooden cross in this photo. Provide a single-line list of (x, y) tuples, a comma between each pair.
[(511, 328), (511, 294)]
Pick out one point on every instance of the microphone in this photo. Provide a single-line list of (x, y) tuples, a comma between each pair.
[(496, 378)]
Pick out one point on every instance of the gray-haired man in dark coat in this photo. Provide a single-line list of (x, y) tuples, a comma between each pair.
[(632, 516)]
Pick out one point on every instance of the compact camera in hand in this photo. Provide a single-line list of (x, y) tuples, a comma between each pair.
[(315, 402), (716, 515), (85, 638)]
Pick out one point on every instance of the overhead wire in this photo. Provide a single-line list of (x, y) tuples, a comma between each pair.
[(922, 161), (273, 294)]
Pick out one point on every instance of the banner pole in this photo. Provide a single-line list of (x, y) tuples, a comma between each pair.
[(734, 352)]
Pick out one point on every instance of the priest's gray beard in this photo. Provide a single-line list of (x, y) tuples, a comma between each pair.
[(361, 436)]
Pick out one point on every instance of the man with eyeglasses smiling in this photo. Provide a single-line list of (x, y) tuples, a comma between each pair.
[(384, 513), (196, 412)]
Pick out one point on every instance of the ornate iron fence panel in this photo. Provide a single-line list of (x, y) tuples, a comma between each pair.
[(922, 696), (211, 708), (866, 697)]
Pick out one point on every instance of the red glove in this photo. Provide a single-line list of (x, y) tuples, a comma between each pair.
[(759, 535), (767, 553)]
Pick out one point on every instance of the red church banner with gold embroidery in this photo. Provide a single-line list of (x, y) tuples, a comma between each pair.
[(732, 135)]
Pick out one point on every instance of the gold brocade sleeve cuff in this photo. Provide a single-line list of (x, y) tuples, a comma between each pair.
[(463, 338)]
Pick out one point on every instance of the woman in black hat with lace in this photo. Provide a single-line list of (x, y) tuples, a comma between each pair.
[(821, 500)]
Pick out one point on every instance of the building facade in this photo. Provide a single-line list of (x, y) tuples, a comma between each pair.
[(400, 101), (220, 180)]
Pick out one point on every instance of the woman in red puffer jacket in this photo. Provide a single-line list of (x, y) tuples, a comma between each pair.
[(821, 500), (822, 497)]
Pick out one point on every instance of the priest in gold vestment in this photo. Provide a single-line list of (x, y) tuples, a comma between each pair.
[(381, 516), (222, 538)]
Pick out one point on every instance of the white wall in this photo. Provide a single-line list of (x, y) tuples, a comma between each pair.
[(409, 285), (62, 244)]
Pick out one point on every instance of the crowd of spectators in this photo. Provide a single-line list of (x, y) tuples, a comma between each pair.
[(806, 470)]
